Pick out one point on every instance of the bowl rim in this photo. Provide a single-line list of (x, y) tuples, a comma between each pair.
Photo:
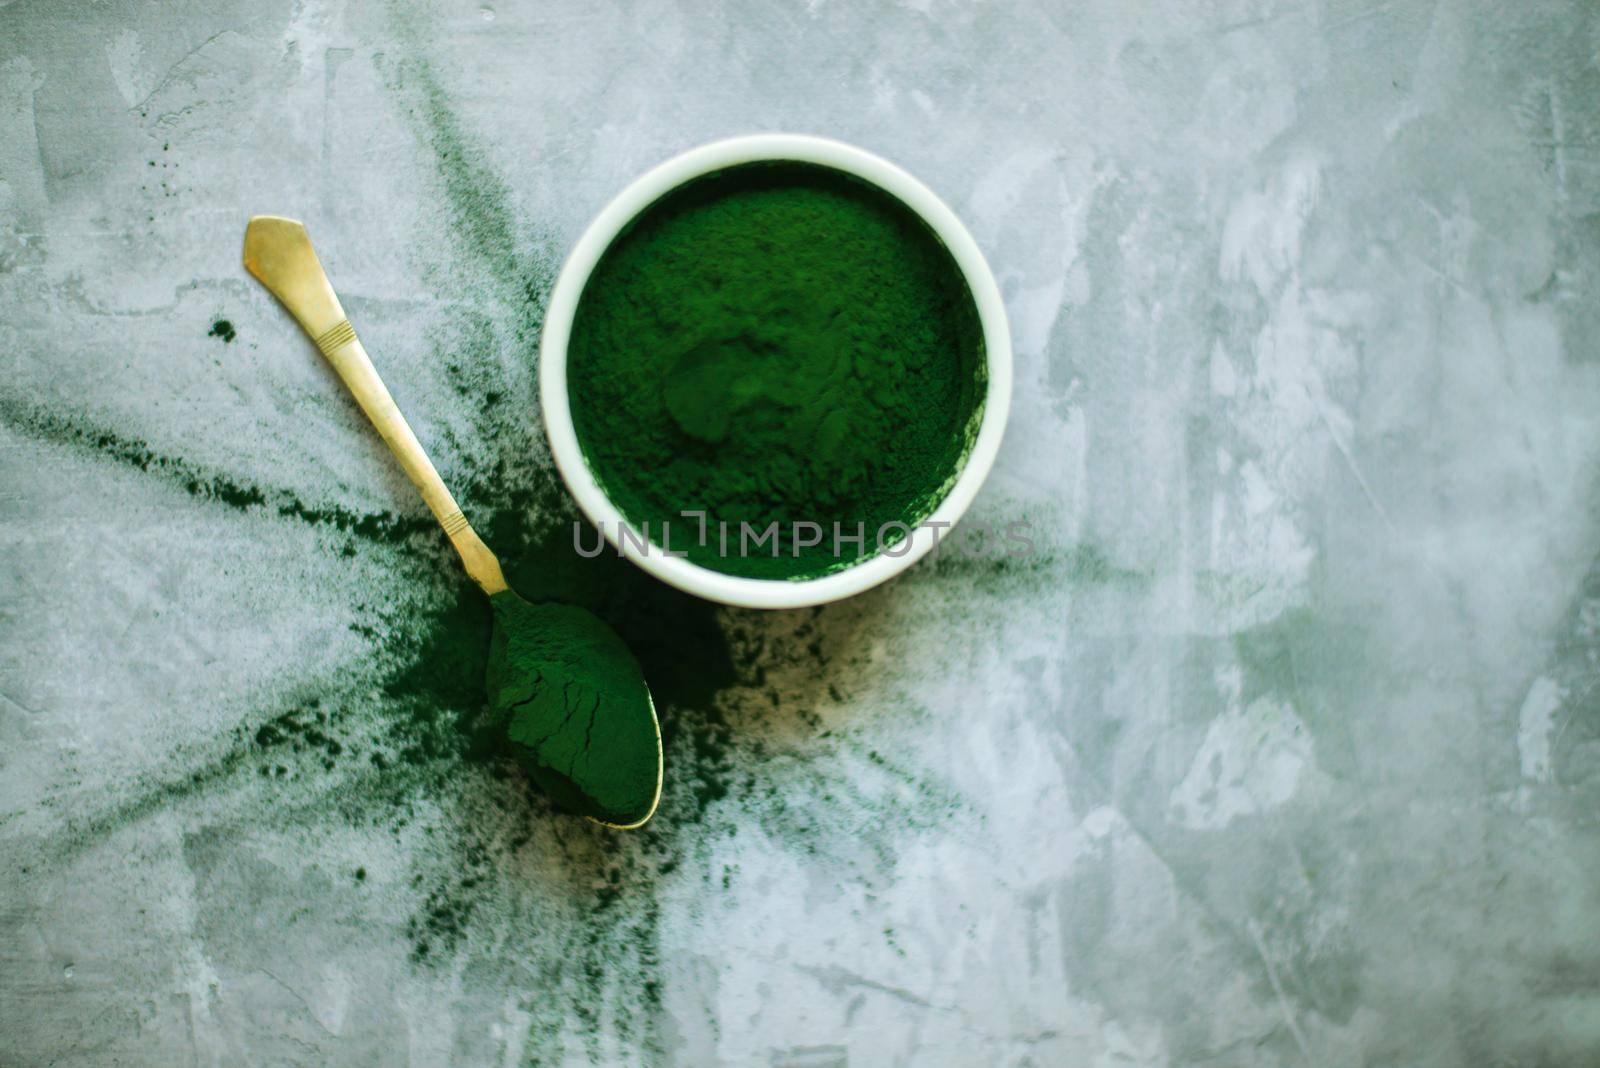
[(597, 507)]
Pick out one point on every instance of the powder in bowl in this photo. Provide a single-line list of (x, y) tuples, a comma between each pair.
[(776, 343)]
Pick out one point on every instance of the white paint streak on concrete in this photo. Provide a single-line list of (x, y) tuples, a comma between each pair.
[(1262, 238), (22, 189), (1535, 727), (125, 57), (1132, 1046), (1250, 761)]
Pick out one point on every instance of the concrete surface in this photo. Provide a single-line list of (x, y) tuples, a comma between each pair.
[(1284, 748)]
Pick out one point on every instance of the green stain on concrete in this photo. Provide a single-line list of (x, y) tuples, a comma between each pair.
[(201, 482)]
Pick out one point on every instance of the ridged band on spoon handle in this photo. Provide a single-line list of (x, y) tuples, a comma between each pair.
[(279, 253), (350, 359)]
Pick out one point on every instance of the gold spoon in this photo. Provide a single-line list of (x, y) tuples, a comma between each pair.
[(554, 670)]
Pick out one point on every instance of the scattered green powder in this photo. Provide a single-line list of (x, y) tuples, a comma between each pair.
[(742, 694), (574, 704), (224, 329), (776, 343)]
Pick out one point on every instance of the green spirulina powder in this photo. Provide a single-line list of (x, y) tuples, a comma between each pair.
[(776, 343), (575, 708)]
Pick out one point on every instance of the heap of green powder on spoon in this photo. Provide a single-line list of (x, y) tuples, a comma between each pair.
[(566, 688)]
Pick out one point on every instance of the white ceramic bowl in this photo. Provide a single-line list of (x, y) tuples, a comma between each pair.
[(871, 570)]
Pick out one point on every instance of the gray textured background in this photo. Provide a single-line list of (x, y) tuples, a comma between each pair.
[(1286, 752)]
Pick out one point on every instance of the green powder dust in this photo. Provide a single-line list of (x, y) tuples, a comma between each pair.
[(399, 767), (776, 343), (575, 705), (224, 329)]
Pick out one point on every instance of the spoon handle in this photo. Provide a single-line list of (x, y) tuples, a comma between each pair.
[(279, 253)]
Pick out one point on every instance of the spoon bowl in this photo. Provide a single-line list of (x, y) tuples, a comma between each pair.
[(558, 679)]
